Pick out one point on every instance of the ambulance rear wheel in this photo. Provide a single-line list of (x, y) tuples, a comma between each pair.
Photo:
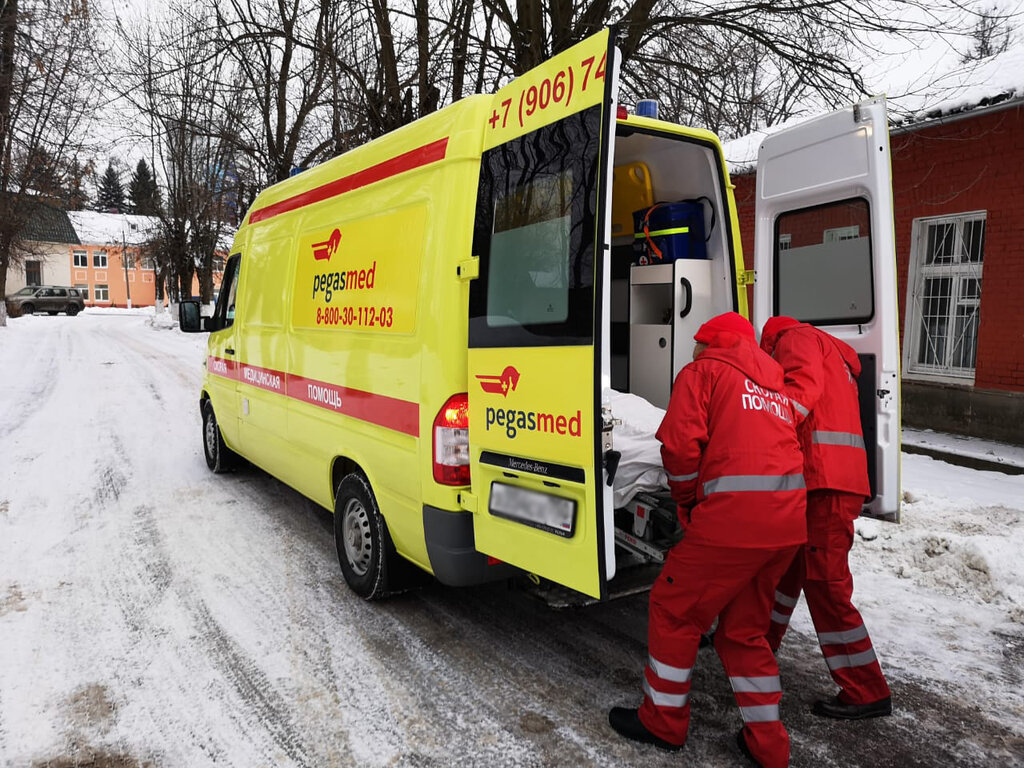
[(365, 550), (219, 457)]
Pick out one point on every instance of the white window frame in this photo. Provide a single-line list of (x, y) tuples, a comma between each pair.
[(129, 259), (785, 242), (84, 259), (97, 257), (958, 271), (83, 289), (106, 293)]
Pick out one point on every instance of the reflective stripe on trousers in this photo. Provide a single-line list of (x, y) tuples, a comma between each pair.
[(668, 672), (673, 700), (728, 483), (849, 439)]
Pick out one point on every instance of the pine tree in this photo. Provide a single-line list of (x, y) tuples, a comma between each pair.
[(110, 195), (143, 192)]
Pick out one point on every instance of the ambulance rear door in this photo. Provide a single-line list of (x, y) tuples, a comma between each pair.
[(541, 238), (825, 254)]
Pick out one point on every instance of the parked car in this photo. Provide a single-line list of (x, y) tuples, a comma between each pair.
[(45, 298)]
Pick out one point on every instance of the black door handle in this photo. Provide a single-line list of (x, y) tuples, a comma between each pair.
[(688, 290), (229, 351)]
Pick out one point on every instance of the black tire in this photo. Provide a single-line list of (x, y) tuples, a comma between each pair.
[(219, 457), (28, 308), (365, 550), (72, 310)]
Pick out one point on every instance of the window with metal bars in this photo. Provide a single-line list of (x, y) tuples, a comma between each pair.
[(944, 310)]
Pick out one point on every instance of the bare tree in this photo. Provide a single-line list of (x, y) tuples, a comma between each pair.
[(991, 35), (47, 94)]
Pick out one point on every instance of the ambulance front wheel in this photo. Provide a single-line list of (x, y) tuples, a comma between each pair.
[(219, 457), (365, 550)]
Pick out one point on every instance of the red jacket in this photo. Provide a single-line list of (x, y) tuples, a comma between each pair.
[(821, 380), (730, 449)]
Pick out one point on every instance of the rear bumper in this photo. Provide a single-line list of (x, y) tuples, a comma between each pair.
[(452, 551)]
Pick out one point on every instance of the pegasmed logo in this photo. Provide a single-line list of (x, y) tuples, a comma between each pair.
[(514, 421)]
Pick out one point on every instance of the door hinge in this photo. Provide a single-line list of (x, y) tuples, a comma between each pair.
[(468, 269), (748, 277), (467, 501)]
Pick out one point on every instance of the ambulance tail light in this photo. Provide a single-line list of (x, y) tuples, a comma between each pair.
[(451, 442)]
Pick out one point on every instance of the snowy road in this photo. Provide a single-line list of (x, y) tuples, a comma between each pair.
[(152, 613)]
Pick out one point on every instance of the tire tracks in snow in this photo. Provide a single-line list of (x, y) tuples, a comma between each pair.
[(19, 410)]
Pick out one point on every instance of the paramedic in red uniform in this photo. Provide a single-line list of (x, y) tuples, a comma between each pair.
[(735, 470), (821, 382)]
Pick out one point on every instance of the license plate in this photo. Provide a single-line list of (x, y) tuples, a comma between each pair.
[(533, 508)]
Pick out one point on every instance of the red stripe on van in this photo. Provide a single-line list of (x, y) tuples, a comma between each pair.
[(399, 415), (416, 158), (221, 367)]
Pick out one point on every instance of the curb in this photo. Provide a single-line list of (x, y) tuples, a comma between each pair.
[(971, 462)]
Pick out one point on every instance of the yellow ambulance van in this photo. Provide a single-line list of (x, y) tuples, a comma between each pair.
[(425, 334)]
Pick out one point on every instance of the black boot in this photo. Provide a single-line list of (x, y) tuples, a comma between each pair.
[(627, 723), (834, 707), (741, 742)]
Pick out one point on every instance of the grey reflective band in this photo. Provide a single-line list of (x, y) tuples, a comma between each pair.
[(786, 600), (843, 660), (847, 636), (780, 618), (754, 483), (682, 478), (668, 672), (849, 439), (673, 700), (800, 408), (766, 713), (756, 684)]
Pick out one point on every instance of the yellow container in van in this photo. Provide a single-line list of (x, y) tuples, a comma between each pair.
[(422, 335)]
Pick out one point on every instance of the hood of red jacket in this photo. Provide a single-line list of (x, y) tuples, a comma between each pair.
[(774, 327), (743, 353)]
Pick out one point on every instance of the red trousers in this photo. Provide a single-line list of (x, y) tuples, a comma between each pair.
[(822, 570), (697, 584)]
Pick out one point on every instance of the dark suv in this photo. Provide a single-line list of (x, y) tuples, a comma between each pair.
[(45, 298)]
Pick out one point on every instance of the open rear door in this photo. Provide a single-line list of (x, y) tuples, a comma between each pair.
[(535, 363), (825, 254)]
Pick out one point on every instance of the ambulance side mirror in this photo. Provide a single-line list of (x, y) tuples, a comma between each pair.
[(189, 319)]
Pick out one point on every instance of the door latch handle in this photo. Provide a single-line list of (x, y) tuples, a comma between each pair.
[(229, 351)]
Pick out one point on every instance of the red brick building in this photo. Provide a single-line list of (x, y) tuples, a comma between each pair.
[(958, 192)]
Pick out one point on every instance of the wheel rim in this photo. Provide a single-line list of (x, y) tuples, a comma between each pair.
[(356, 535), (211, 436)]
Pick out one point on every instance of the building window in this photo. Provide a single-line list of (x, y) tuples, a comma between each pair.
[(33, 273), (99, 258), (944, 307), (84, 290), (129, 260), (102, 293), (785, 242), (838, 234), (81, 258)]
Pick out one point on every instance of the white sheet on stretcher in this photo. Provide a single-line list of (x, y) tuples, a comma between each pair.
[(640, 467)]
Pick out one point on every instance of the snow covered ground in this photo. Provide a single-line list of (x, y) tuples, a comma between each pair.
[(152, 613)]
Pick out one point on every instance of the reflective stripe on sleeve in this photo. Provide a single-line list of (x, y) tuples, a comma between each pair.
[(674, 700), (765, 713), (780, 618), (847, 636), (849, 439), (682, 478), (769, 684), (786, 600), (803, 411), (728, 483), (842, 660), (668, 672)]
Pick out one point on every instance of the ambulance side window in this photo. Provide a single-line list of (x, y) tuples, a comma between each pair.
[(224, 313), (823, 263), (534, 234)]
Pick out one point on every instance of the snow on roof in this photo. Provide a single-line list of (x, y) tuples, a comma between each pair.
[(963, 88), (113, 228)]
